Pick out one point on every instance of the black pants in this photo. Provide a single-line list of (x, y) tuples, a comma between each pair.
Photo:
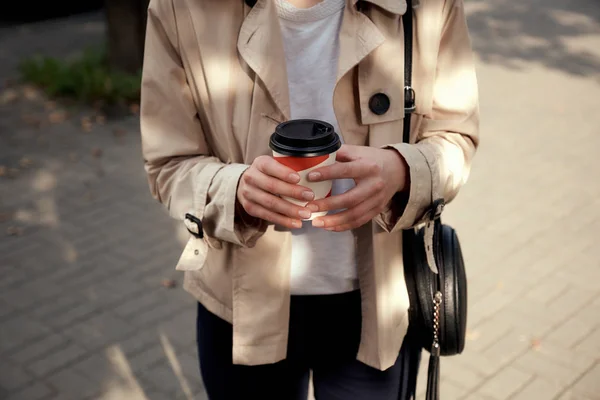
[(324, 337)]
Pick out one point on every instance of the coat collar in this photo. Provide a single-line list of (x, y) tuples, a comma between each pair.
[(393, 6), (260, 44)]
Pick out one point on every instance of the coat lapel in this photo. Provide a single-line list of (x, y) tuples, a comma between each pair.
[(260, 45), (358, 37)]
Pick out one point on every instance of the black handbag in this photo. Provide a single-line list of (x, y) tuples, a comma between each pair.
[(433, 264)]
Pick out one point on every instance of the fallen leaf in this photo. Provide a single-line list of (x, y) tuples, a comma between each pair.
[(97, 152), (14, 231), (169, 283), (536, 344), (50, 105), (8, 96), (57, 117), (25, 162), (100, 119), (134, 108), (3, 171), (118, 132), (86, 124), (30, 93)]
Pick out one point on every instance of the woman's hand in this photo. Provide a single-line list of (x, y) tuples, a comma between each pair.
[(378, 173), (260, 186)]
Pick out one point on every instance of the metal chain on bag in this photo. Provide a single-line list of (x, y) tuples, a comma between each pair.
[(437, 303)]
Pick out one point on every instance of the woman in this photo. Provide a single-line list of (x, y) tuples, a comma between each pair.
[(279, 297)]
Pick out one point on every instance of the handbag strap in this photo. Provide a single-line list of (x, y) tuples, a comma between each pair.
[(437, 201), (433, 372), (409, 93)]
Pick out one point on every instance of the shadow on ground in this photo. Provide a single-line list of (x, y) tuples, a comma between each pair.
[(553, 33)]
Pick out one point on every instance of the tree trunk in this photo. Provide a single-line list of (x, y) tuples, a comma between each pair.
[(126, 33)]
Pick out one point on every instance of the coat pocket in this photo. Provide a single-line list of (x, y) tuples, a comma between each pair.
[(194, 255)]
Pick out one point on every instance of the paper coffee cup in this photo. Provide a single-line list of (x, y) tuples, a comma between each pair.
[(305, 145)]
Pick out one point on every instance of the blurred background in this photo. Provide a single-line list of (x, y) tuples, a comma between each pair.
[(90, 304)]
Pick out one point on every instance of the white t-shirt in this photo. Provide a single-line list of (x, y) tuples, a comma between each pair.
[(323, 262)]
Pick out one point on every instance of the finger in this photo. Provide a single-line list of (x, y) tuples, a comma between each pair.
[(350, 199), (278, 187), (349, 219), (259, 211), (347, 153), (277, 205), (269, 166), (368, 188), (357, 169), (366, 218)]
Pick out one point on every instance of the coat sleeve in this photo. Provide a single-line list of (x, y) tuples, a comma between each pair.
[(440, 159), (183, 174)]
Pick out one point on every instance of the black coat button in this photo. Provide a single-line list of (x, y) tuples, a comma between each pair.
[(379, 104)]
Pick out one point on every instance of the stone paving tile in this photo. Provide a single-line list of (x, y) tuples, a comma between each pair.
[(571, 395), (589, 345), (549, 368), (78, 312), (458, 376), (505, 384), (59, 358), (147, 359), (71, 385), (181, 329), (99, 330), (589, 384), (20, 330), (13, 377), (165, 377), (539, 389), (46, 344), (36, 391)]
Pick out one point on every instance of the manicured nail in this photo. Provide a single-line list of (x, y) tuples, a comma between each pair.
[(308, 195), (294, 178), (317, 223), (312, 207), (304, 214), (297, 224), (314, 176)]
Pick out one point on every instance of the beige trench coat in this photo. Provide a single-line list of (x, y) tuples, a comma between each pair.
[(215, 87)]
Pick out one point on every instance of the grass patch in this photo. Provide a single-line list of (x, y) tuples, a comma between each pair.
[(87, 79)]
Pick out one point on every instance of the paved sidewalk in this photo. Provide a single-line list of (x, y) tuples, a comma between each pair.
[(87, 257)]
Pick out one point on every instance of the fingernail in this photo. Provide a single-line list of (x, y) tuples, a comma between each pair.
[(308, 195), (317, 223), (294, 178), (312, 207), (314, 176), (304, 214), (297, 224)]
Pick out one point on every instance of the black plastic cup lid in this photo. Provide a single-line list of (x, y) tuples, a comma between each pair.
[(305, 138)]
